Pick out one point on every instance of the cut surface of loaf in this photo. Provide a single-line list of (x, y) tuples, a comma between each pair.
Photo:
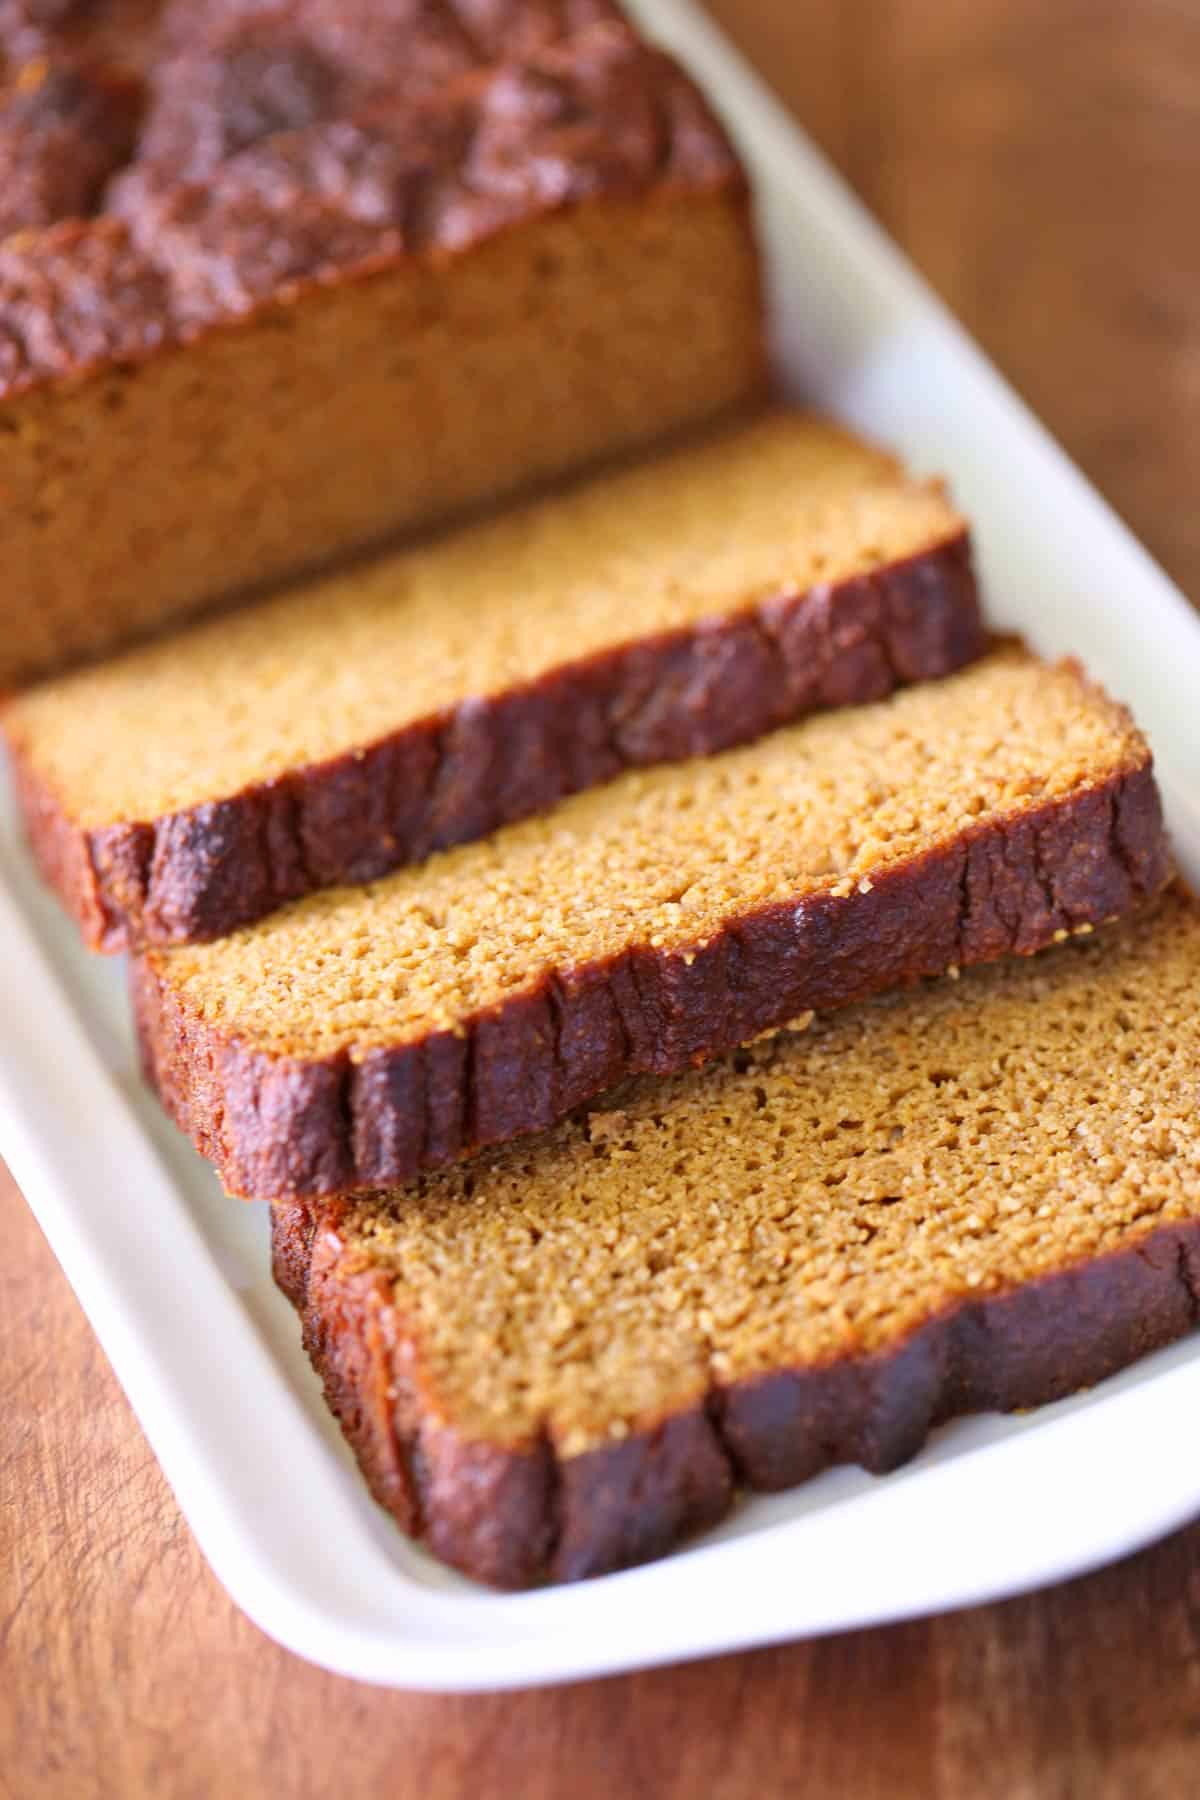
[(295, 279), (363, 1034), (358, 723), (568, 1356)]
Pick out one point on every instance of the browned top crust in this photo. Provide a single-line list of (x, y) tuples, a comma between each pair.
[(120, 30), (454, 34), (261, 148), (435, 176), (444, 36), (63, 131), (76, 295)]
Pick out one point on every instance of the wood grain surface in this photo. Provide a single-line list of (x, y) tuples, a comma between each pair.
[(1040, 159)]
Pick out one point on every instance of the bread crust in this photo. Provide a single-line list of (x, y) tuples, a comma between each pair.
[(294, 1128), (202, 872), (513, 1516), (173, 256)]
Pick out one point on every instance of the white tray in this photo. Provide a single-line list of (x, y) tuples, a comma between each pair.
[(174, 1277)]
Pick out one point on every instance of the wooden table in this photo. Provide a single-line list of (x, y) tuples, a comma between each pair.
[(1040, 159)]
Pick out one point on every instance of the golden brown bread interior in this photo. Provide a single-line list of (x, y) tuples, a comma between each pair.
[(660, 857), (681, 606), (317, 308), (569, 1353), (776, 506), (651, 922)]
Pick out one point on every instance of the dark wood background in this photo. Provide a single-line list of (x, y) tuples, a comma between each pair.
[(1040, 159)]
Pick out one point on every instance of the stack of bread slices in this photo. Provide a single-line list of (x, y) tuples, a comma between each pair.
[(699, 1006)]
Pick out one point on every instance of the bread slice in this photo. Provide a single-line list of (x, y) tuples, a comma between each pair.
[(357, 277), (359, 723), (569, 1355), (364, 1034)]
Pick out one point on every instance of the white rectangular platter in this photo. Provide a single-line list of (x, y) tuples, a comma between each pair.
[(175, 1279)]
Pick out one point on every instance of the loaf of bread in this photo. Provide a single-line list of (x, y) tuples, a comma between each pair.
[(361, 722), (568, 1356), (364, 1034), (295, 277)]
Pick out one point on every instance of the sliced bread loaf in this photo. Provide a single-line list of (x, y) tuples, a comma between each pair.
[(360, 722), (568, 1355), (364, 1034)]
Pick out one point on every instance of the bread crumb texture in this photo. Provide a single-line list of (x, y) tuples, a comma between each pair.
[(770, 509), (665, 857), (817, 1196)]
